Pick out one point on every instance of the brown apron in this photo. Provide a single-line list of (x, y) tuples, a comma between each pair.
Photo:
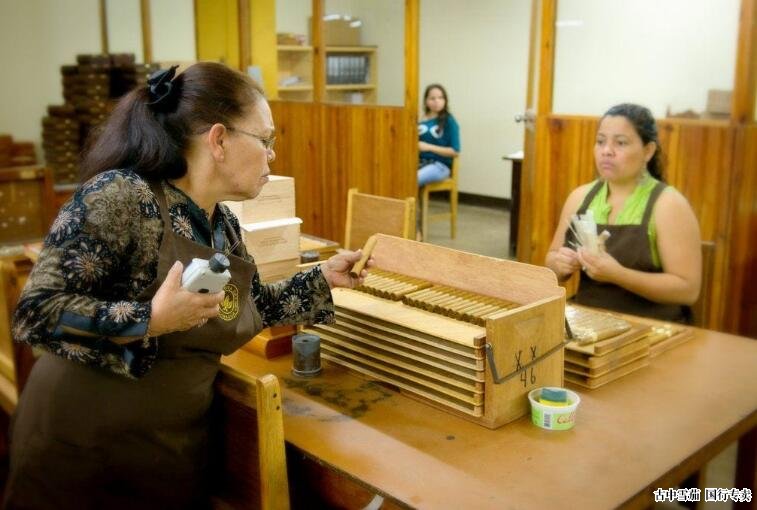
[(629, 245), (87, 438)]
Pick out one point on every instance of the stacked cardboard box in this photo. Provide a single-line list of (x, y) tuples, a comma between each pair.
[(90, 90), (13, 153), (271, 234), (270, 229)]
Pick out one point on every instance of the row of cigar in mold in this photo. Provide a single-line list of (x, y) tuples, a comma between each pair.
[(440, 299)]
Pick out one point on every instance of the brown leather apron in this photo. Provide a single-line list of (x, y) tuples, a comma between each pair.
[(629, 245), (86, 438)]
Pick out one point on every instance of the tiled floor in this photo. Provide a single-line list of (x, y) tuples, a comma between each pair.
[(486, 230), (482, 230)]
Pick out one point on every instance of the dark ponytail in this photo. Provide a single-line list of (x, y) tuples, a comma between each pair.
[(644, 124), (443, 115), (153, 138)]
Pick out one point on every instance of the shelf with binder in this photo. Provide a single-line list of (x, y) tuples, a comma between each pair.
[(351, 74), (295, 72)]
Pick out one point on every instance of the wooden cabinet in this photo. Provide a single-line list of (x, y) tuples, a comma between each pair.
[(350, 73)]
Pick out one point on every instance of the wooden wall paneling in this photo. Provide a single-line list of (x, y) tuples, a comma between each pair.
[(297, 155), (742, 263), (699, 164), (368, 147)]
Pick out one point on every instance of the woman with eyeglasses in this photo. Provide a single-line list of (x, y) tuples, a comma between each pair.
[(115, 412)]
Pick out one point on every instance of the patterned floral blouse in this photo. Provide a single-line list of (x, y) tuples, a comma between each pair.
[(102, 251)]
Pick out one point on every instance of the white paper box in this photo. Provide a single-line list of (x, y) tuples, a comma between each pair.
[(275, 201), (275, 240)]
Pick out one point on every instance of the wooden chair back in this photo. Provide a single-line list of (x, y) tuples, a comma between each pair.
[(248, 443), (449, 185), (373, 214), (701, 308), (16, 360)]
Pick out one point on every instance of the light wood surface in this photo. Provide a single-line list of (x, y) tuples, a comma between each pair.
[(649, 429)]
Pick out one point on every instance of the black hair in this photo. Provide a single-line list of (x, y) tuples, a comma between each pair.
[(644, 124), (152, 139), (442, 116)]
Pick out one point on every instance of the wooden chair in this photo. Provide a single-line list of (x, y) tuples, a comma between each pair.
[(372, 214), (701, 308), (248, 443), (449, 184)]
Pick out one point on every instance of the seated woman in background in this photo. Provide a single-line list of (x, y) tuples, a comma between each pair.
[(438, 137), (651, 264)]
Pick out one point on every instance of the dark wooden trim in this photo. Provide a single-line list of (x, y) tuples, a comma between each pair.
[(103, 9), (484, 201), (547, 39), (745, 75), (245, 36), (412, 22), (319, 52), (144, 8)]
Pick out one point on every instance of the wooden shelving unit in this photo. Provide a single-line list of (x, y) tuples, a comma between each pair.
[(295, 62), (363, 89)]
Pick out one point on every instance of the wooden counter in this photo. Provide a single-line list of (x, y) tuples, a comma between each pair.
[(647, 430)]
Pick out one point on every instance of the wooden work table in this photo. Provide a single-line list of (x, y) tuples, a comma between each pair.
[(649, 429)]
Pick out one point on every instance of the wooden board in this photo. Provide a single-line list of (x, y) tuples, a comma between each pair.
[(616, 364), (596, 382), (411, 354), (412, 318), (411, 337), (589, 361), (605, 346)]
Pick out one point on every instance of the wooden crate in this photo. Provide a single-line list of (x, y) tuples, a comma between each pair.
[(444, 361)]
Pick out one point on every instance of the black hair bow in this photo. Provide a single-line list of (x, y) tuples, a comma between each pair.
[(161, 85)]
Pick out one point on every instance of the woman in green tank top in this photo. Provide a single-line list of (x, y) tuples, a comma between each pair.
[(651, 263)]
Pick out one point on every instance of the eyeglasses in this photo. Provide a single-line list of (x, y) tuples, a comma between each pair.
[(267, 142)]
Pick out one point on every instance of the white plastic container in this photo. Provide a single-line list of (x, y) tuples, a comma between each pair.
[(553, 417)]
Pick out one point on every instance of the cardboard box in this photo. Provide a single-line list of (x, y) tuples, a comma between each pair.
[(275, 201), (342, 31), (718, 102), (272, 241), (278, 270)]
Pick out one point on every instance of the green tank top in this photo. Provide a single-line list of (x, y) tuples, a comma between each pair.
[(632, 212)]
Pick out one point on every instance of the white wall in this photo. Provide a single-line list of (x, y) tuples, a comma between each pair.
[(659, 53), (36, 38), (293, 16), (479, 52), (124, 19), (173, 30)]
